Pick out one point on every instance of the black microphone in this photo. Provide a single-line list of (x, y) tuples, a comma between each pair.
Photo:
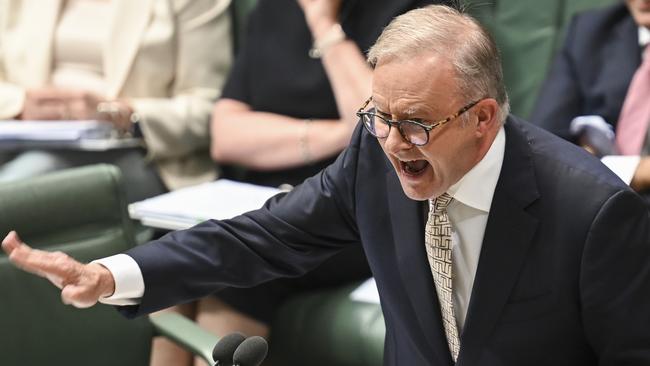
[(250, 352), (225, 348)]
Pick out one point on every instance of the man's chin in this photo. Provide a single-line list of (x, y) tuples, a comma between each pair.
[(418, 193), (419, 188)]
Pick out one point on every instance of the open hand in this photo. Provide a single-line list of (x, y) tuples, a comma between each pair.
[(81, 284)]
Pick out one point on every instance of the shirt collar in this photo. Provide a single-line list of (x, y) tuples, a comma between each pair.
[(476, 188), (644, 36)]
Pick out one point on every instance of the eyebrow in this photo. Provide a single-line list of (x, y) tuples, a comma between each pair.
[(377, 110), (409, 113)]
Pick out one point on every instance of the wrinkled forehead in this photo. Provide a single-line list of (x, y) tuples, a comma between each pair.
[(407, 85)]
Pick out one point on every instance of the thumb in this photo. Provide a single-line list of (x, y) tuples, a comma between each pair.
[(78, 296)]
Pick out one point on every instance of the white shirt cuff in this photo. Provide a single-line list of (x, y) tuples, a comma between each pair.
[(622, 165), (129, 285)]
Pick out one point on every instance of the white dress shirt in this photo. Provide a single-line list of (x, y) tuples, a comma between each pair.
[(468, 213)]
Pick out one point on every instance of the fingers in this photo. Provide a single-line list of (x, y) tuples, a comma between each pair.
[(60, 104), (10, 242), (81, 285), (94, 282), (57, 266), (16, 250)]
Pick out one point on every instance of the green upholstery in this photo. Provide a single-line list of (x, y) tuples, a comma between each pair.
[(81, 207), (185, 333), (327, 328), (82, 212), (527, 32), (240, 10)]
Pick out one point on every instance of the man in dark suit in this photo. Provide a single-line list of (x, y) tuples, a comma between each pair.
[(593, 71), (531, 252)]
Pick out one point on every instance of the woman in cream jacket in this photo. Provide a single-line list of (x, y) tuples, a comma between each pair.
[(158, 64)]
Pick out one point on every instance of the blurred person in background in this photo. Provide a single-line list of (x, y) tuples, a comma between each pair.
[(153, 68), (602, 74), (288, 107)]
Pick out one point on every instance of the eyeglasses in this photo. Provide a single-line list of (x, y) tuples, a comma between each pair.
[(416, 133)]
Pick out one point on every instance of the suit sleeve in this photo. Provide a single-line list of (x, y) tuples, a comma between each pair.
[(178, 126), (560, 99), (292, 234), (615, 282)]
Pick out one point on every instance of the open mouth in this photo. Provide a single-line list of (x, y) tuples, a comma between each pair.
[(414, 167)]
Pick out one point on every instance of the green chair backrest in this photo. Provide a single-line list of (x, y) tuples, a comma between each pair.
[(527, 32), (81, 212), (240, 10), (326, 327)]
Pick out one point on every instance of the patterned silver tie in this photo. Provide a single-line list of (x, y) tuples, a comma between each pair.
[(438, 242)]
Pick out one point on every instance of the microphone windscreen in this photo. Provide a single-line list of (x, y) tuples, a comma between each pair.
[(225, 348), (251, 352)]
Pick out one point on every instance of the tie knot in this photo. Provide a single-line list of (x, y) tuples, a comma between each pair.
[(440, 203)]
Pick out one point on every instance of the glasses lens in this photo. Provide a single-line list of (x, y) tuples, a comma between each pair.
[(375, 125), (416, 134)]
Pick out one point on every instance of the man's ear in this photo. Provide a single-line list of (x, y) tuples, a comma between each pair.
[(487, 115)]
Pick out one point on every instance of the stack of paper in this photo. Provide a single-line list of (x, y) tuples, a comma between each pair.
[(55, 130), (181, 209), (366, 292)]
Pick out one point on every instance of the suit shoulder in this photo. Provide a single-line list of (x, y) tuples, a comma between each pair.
[(595, 23), (564, 164)]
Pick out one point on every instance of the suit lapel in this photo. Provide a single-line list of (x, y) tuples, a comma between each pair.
[(130, 20), (408, 233), (508, 235)]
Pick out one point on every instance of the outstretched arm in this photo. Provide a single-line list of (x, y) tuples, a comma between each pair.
[(81, 284)]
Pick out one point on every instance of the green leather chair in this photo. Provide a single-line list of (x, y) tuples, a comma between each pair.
[(81, 212), (239, 10), (527, 32), (326, 328)]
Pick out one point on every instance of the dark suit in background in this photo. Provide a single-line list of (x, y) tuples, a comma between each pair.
[(563, 277), (592, 71)]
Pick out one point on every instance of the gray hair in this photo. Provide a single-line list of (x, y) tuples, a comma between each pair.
[(458, 37)]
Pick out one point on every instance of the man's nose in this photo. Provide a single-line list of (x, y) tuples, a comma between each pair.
[(395, 141)]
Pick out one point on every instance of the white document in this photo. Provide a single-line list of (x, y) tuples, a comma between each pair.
[(366, 292), (55, 130), (186, 207), (622, 165)]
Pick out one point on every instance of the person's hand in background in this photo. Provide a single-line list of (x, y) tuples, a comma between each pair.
[(320, 15), (69, 104), (59, 104), (641, 180)]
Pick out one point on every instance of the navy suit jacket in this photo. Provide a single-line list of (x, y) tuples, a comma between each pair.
[(563, 276), (592, 71)]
